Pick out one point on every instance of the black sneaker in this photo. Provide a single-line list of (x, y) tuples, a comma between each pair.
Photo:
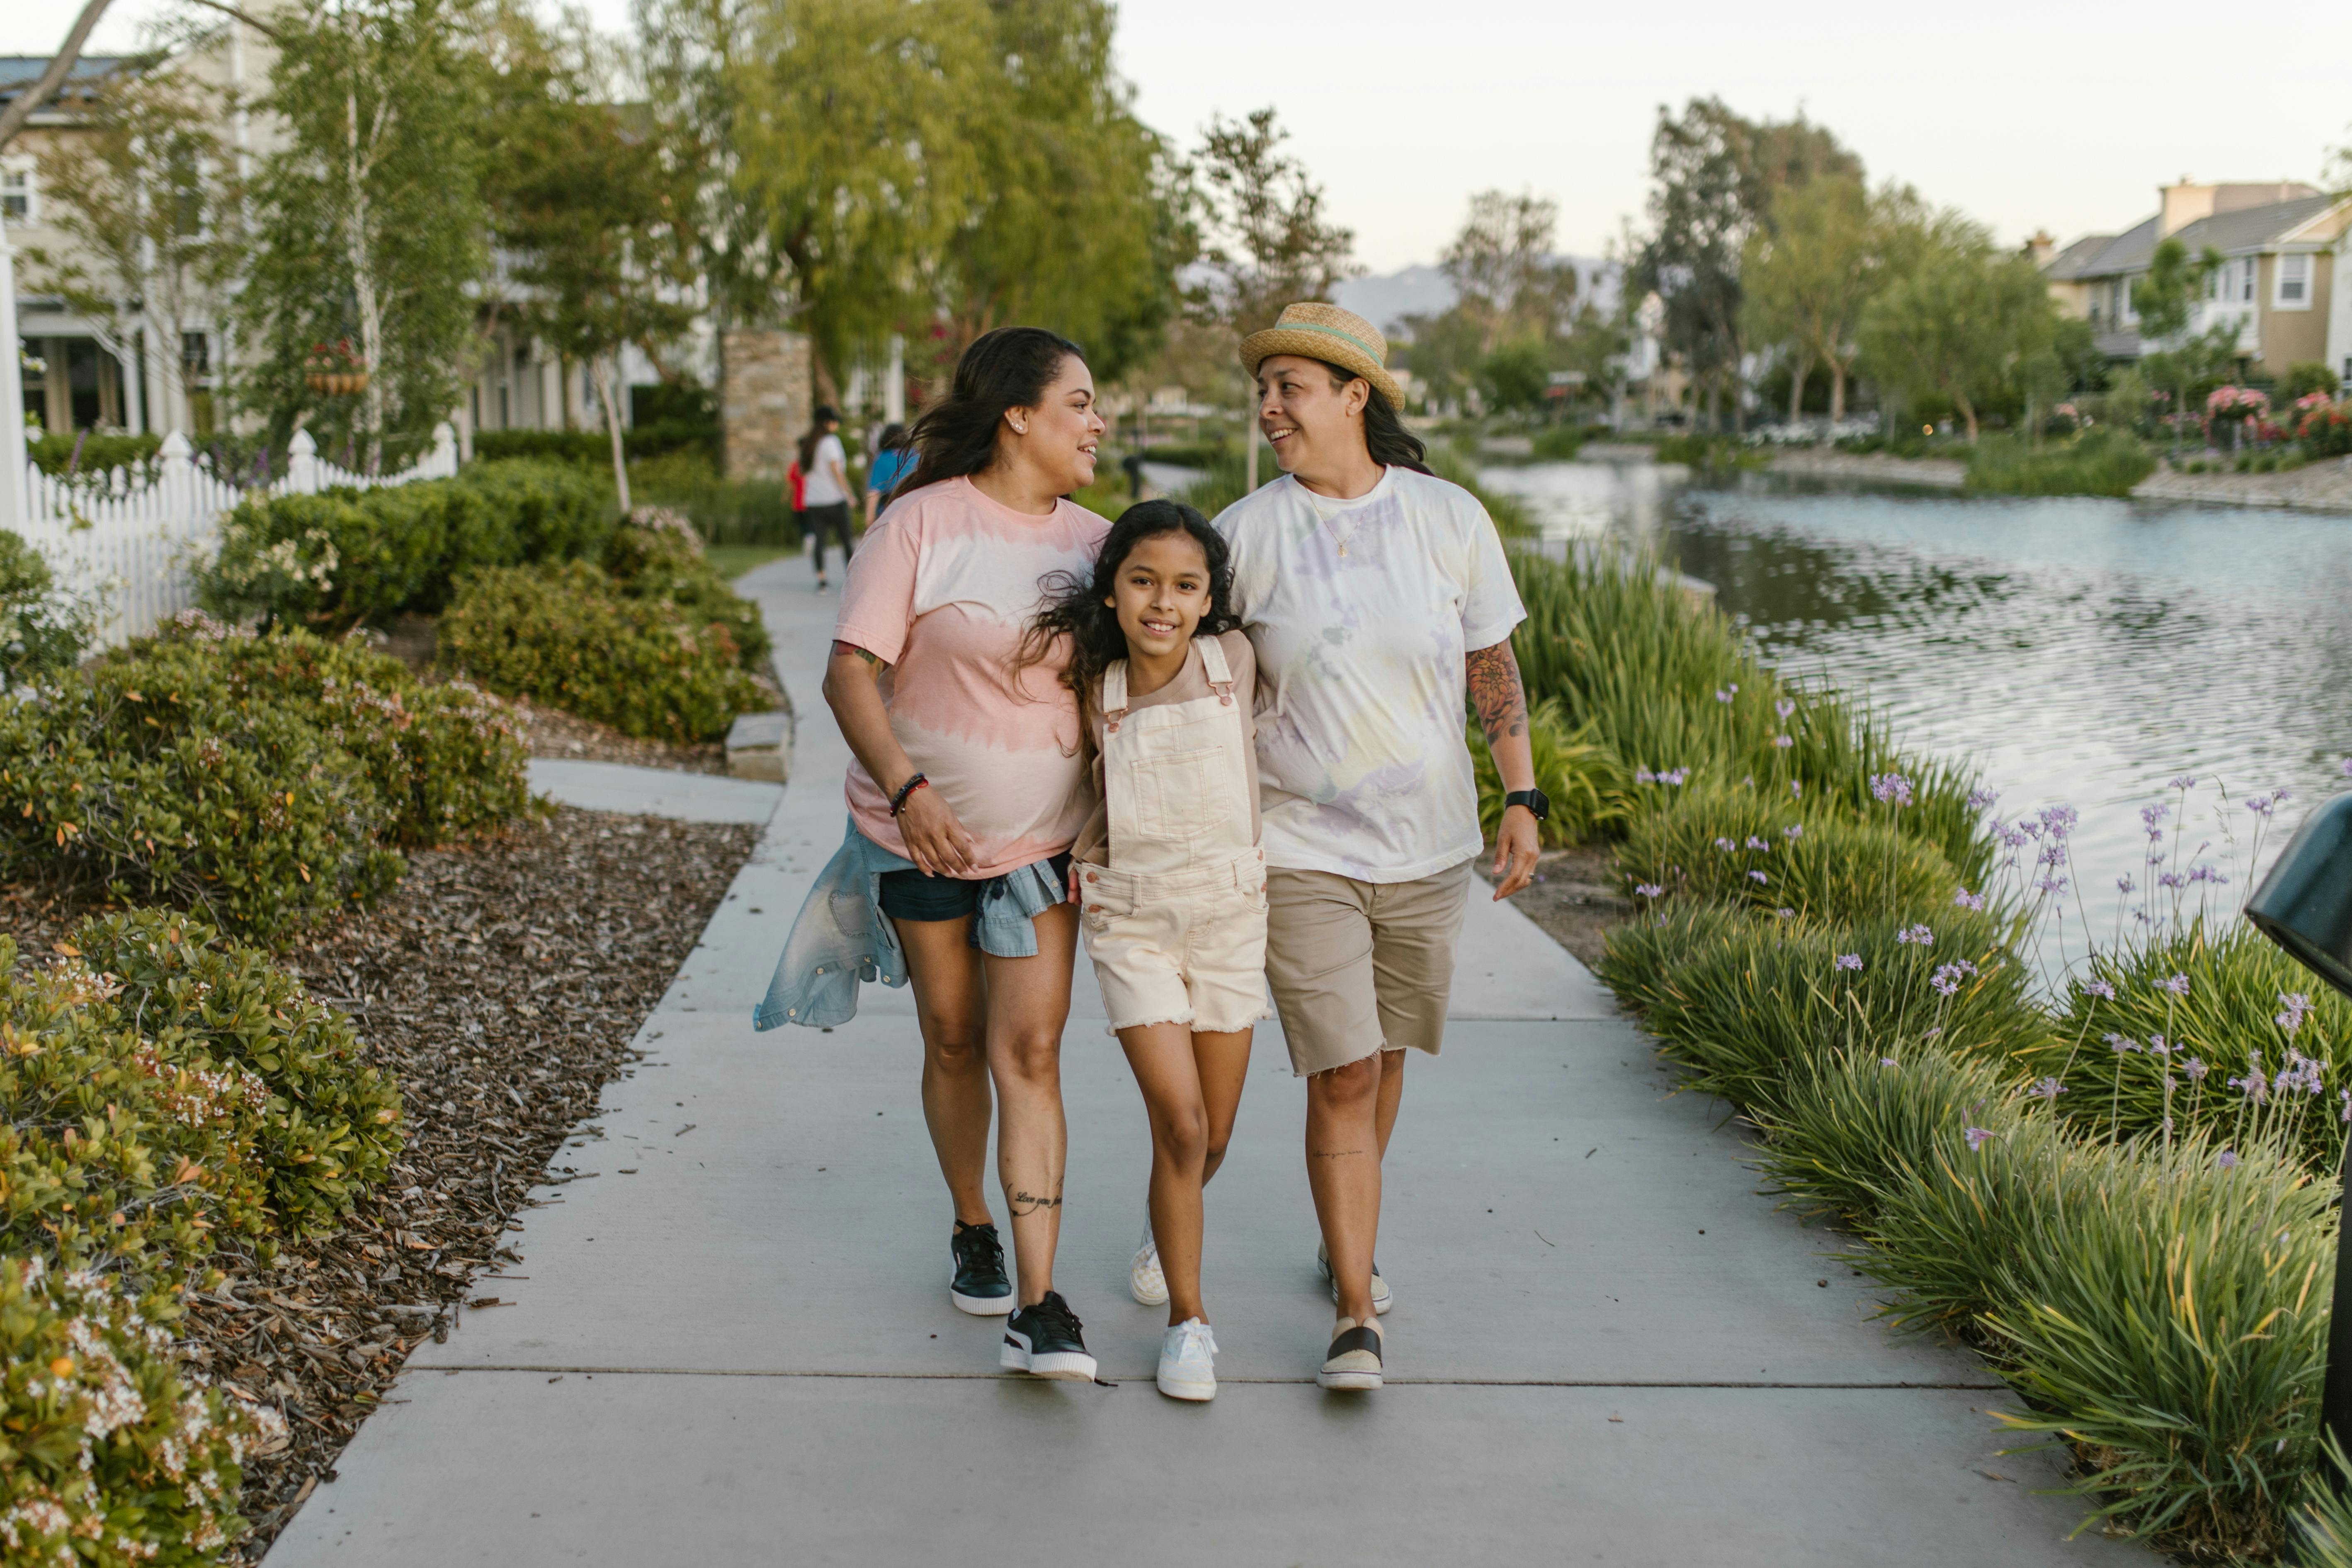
[(978, 1285), (1044, 1340)]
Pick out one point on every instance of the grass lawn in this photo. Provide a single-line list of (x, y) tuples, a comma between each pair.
[(733, 560)]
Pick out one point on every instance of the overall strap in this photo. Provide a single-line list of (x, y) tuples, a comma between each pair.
[(1214, 666), (1114, 693)]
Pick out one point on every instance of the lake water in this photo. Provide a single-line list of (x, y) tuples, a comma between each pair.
[(2080, 651)]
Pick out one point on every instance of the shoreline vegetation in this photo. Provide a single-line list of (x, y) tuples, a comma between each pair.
[(2117, 1188)]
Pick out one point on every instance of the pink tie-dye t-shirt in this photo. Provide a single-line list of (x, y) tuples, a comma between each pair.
[(940, 591)]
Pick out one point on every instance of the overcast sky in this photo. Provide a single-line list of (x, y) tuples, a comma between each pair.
[(2027, 115)]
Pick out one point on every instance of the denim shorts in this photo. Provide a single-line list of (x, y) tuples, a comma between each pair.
[(920, 896)]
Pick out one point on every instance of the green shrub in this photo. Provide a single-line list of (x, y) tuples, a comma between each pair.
[(1769, 853), (113, 1153), (594, 449), (341, 557), (1586, 786), (40, 631), (88, 455), (1849, 1126), (567, 637), (174, 790), (108, 1456), (1710, 454), (2105, 461), (2303, 377), (723, 510), (1559, 442), (449, 760), (658, 554), (2325, 430), (2124, 1032), (1743, 1000), (332, 1124)]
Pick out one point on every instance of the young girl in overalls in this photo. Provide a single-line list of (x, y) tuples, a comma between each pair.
[(1168, 875)]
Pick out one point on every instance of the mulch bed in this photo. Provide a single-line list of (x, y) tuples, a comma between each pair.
[(555, 733), (1575, 897), (502, 982)]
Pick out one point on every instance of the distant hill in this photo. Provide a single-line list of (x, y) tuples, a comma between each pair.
[(1386, 299)]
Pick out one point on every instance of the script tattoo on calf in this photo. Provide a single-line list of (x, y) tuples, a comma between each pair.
[(1030, 1203), (1497, 691)]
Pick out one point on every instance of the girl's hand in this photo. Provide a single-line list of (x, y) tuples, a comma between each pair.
[(936, 841), (1073, 883)]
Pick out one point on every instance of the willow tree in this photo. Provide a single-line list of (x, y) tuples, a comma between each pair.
[(1957, 321), (367, 221), (1805, 278)]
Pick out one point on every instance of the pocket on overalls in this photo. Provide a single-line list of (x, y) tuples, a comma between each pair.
[(1174, 797)]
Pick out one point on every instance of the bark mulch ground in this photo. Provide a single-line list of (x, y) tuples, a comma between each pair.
[(502, 984), (1575, 897), (555, 733)]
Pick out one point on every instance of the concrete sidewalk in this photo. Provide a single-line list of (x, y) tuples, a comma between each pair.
[(734, 1343)]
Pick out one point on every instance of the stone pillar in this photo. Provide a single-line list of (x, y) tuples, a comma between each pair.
[(764, 400)]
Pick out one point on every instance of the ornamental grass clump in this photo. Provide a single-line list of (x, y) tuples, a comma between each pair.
[(2219, 1032), (1773, 854), (1849, 1126), (109, 1455), (1743, 1000), (2163, 1308), (568, 636), (1588, 789)]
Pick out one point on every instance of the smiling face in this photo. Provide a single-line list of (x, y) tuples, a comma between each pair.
[(1160, 594), (1312, 426), (1056, 438)]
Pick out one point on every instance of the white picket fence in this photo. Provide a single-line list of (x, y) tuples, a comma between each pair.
[(133, 548)]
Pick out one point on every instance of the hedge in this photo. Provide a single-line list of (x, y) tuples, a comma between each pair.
[(570, 637), (594, 449), (340, 557)]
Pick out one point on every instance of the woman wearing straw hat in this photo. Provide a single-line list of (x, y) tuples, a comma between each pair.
[(1375, 595)]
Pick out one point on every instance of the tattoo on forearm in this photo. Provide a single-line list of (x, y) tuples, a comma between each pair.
[(1025, 1203), (868, 655), (1496, 692)]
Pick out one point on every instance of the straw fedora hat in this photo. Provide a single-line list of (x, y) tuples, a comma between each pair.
[(1327, 332)]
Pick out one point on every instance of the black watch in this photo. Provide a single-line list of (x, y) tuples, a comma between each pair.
[(1534, 800)]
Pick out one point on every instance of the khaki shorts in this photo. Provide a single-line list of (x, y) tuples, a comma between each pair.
[(1358, 967), (1179, 947)]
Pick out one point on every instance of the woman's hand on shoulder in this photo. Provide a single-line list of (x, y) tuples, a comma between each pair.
[(935, 842)]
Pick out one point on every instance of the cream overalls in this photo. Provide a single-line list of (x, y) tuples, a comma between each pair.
[(1176, 922)]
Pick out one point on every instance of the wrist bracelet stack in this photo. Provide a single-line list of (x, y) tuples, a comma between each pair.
[(899, 801)]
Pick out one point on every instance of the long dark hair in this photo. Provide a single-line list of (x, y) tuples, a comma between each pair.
[(1385, 434), (1073, 607), (1008, 368), (817, 422)]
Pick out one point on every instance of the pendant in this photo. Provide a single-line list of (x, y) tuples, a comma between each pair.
[(1343, 550)]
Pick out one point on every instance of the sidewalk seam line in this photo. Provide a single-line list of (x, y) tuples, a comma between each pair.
[(1141, 1376)]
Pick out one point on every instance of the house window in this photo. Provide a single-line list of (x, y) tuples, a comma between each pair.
[(18, 205), (2246, 278), (2294, 282), (195, 355)]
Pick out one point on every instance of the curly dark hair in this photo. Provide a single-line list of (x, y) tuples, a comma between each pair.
[(1074, 608)]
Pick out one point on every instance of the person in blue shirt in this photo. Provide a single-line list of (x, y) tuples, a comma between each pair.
[(893, 458)]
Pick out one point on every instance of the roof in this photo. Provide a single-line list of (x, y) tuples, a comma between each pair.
[(2067, 264), (18, 72), (2247, 229)]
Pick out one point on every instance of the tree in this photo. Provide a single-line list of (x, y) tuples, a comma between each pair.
[(1805, 277), (1075, 222), (2165, 298), (1503, 271), (53, 74), (1955, 321), (145, 190), (581, 205), (1714, 176), (368, 222), (1262, 221)]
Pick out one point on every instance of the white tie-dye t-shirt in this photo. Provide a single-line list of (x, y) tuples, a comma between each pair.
[(1363, 766)]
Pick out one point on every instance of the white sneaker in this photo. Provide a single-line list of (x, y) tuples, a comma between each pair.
[(1187, 1369), (1143, 1277), (1381, 1301)]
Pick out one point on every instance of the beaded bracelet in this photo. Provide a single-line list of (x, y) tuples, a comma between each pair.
[(899, 801)]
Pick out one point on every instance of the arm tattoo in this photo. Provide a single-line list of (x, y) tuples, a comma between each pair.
[(1493, 674), (841, 648)]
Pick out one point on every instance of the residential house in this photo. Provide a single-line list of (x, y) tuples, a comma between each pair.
[(2277, 280), (83, 373)]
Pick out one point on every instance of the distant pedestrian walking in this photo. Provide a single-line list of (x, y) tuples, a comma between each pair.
[(894, 460), (825, 470)]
